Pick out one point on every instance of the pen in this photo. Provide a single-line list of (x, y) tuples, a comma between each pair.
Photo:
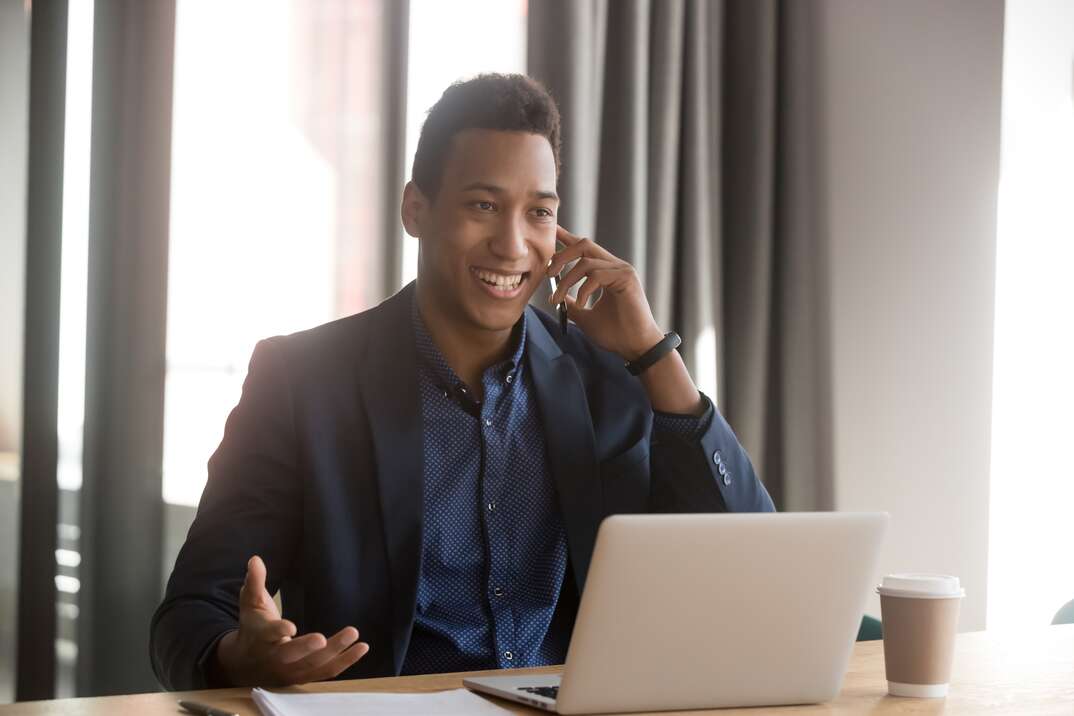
[(203, 710), (561, 309)]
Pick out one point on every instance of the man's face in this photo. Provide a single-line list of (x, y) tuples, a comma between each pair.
[(487, 237)]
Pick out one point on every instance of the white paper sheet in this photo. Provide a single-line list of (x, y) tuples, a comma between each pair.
[(456, 702)]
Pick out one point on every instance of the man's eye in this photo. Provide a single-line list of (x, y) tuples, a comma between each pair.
[(484, 205), (545, 213)]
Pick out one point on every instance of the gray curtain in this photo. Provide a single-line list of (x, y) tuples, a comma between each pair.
[(688, 141), (130, 191)]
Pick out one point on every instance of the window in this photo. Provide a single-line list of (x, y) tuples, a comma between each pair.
[(1031, 528)]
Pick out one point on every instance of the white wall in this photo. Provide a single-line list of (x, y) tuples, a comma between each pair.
[(910, 146)]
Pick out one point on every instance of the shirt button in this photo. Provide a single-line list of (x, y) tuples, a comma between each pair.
[(727, 479), (498, 591), (492, 506), (509, 378), (508, 655), (717, 458), (488, 423)]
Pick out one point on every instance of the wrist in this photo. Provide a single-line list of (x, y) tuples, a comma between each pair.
[(220, 671), (643, 345)]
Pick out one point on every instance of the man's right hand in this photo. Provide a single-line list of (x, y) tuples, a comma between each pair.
[(264, 650)]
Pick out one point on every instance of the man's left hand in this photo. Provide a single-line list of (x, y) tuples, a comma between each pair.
[(620, 319)]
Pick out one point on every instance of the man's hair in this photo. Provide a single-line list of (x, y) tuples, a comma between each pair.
[(512, 103)]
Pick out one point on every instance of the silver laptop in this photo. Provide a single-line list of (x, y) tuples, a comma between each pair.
[(710, 611)]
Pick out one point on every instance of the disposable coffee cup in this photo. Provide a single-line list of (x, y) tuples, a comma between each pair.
[(920, 617)]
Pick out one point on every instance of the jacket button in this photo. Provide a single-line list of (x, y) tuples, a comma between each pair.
[(722, 469), (717, 458), (727, 479)]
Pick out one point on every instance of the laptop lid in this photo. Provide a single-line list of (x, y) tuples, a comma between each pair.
[(707, 611)]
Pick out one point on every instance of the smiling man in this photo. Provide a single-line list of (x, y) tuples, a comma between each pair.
[(433, 471)]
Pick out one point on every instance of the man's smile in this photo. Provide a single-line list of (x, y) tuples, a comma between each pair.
[(499, 284)]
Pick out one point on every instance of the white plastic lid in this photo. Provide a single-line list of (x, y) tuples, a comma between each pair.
[(922, 586)]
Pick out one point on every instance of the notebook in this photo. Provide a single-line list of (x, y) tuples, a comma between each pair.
[(456, 702)]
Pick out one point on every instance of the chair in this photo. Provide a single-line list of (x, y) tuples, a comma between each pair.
[(872, 630), (1065, 615)]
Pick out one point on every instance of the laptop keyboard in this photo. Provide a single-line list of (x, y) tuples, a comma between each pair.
[(549, 692)]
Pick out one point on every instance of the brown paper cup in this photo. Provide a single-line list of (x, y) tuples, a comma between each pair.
[(919, 643)]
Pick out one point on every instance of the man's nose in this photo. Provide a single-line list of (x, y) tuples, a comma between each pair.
[(510, 240)]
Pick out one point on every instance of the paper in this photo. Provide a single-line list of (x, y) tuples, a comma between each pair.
[(457, 702)]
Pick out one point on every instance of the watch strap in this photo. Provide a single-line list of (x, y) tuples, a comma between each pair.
[(670, 342)]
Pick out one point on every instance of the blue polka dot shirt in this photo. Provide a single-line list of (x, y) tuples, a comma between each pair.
[(494, 546)]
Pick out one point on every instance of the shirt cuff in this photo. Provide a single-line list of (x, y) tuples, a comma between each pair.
[(685, 425)]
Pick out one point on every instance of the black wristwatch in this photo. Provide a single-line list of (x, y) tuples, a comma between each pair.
[(670, 342)]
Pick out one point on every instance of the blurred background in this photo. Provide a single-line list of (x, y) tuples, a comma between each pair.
[(858, 214)]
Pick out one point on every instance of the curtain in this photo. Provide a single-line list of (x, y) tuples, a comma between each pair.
[(688, 135), (39, 503), (130, 178)]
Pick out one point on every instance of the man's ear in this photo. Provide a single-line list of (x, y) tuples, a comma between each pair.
[(414, 209)]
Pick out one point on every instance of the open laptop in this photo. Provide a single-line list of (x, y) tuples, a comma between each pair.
[(710, 611)]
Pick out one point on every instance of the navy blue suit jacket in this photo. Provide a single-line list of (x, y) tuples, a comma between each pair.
[(320, 473)]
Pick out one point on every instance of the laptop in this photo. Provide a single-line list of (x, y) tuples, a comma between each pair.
[(710, 611)]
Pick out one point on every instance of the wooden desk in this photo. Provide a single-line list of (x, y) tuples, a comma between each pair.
[(1030, 673)]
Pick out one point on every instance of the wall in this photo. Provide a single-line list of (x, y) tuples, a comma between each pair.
[(910, 147)]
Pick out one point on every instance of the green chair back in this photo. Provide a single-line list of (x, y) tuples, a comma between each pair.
[(871, 629)]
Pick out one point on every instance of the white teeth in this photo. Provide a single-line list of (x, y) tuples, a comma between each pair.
[(506, 283)]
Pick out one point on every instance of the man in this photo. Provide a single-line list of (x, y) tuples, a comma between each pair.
[(433, 471)]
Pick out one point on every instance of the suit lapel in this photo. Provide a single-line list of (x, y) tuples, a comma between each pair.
[(389, 388), (569, 440)]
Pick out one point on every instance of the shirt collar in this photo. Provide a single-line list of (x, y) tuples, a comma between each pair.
[(431, 357)]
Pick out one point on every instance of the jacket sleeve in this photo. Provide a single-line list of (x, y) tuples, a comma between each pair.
[(251, 505), (700, 466)]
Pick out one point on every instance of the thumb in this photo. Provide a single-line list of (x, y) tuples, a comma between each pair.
[(254, 593)]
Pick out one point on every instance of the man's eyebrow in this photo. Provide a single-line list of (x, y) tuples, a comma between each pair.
[(493, 189), (482, 186)]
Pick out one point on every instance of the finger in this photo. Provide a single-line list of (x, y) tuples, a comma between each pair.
[(277, 630), (340, 640), (561, 260), (582, 250), (595, 281), (253, 592), (576, 274), (338, 664), (566, 237), (298, 648)]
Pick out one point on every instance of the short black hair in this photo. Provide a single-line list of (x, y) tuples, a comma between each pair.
[(512, 103)]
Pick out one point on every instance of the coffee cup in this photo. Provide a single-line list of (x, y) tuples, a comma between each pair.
[(920, 618)]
